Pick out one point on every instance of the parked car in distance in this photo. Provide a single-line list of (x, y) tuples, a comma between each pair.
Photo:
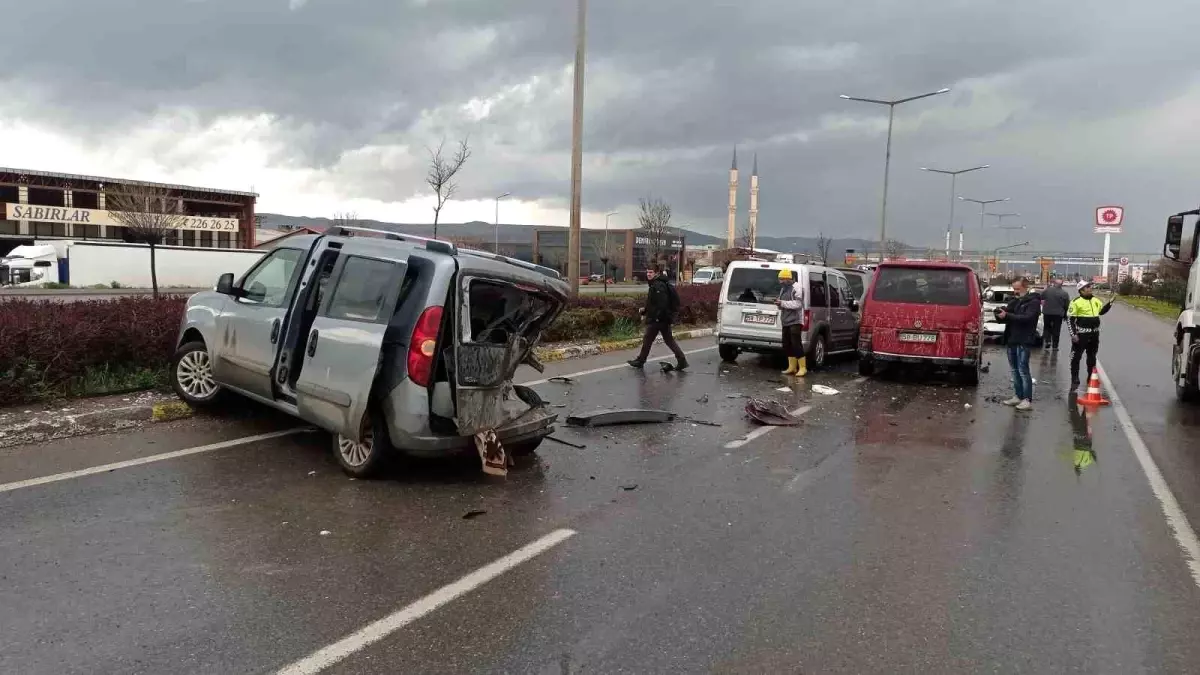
[(860, 280), (923, 312), (748, 320), (708, 275), (995, 297), (396, 343)]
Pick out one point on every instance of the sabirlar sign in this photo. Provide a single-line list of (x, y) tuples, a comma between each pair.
[(66, 214)]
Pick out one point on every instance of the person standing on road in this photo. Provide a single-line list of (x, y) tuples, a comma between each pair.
[(662, 303), (791, 317), (1054, 308), (1083, 322), (1020, 319)]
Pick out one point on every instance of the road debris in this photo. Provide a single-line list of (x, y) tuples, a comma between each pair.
[(667, 367), (702, 399), (569, 444), (693, 420), (561, 380), (492, 456), (786, 390), (630, 486), (469, 515), (325, 533), (604, 418), (770, 413), (822, 389)]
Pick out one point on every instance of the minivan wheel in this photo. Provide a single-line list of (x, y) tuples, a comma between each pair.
[(969, 375), (728, 353), (816, 353), (364, 458), (192, 375)]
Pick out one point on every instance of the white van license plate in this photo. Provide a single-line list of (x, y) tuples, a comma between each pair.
[(918, 337), (763, 319)]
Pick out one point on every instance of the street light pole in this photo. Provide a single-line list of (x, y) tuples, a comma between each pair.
[(574, 235), (604, 258), (1008, 234), (982, 205), (497, 221), (887, 159), (953, 190)]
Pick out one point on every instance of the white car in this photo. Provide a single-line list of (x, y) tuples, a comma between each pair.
[(995, 297)]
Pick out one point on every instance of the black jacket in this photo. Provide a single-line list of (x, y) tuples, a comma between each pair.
[(658, 301), (1020, 323)]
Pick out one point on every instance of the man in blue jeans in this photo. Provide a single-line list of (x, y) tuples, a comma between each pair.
[(1020, 319)]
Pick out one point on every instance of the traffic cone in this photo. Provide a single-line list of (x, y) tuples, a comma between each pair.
[(1093, 396)]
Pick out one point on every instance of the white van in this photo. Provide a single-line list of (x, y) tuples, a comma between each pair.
[(708, 275), (748, 319)]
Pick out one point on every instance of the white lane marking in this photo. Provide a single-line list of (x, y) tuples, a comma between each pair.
[(1177, 520), (105, 468), (615, 366), (377, 630), (763, 431)]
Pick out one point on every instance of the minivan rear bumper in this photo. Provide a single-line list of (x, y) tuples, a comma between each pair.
[(754, 343), (533, 425), (888, 357)]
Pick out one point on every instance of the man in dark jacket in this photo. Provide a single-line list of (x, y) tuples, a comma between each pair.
[(1054, 307), (1020, 318), (662, 302)]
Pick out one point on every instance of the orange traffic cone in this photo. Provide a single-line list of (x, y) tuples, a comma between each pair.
[(1093, 396)]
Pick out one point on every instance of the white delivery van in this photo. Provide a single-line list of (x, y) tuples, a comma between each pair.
[(748, 319), (708, 275)]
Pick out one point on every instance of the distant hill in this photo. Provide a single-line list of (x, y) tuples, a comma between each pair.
[(523, 234)]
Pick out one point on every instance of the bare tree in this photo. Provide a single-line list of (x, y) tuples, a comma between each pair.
[(615, 250), (345, 219), (149, 215), (654, 220), (442, 171), (893, 248), (823, 244)]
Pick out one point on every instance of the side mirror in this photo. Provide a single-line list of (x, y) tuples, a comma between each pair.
[(854, 306), (225, 284), (1173, 241)]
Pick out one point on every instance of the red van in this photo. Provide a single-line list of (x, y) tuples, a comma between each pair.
[(923, 312)]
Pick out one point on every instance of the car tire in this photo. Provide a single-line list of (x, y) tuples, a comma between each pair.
[(368, 457), (866, 367), (969, 375), (192, 376), (728, 353), (818, 352), (1184, 392), (524, 448)]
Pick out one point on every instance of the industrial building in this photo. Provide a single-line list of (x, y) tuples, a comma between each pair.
[(629, 252), (40, 205)]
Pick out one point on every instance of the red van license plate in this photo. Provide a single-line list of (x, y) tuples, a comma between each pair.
[(764, 319), (918, 337)]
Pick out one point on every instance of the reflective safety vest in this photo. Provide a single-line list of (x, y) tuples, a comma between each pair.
[(1083, 315)]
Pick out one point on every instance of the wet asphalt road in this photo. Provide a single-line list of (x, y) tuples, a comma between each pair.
[(896, 530)]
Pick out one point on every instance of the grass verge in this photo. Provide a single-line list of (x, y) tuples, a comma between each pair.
[(1161, 308)]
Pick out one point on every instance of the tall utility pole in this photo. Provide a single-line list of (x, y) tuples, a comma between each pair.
[(953, 180), (983, 203), (887, 159), (497, 221), (574, 235)]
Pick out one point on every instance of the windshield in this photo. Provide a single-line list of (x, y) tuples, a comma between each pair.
[(857, 286), (922, 286), (754, 284), (703, 276)]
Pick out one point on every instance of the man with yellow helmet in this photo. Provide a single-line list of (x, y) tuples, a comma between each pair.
[(791, 317)]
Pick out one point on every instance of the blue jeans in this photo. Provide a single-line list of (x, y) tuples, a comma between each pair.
[(1018, 358)]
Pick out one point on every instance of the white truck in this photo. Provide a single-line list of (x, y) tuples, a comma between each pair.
[(86, 264), (1185, 356)]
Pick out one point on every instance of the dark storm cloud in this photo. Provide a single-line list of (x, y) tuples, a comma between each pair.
[(673, 84)]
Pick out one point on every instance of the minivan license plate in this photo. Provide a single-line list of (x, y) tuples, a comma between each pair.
[(764, 319), (918, 337)]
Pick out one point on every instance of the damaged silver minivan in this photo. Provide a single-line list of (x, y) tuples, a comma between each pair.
[(389, 342)]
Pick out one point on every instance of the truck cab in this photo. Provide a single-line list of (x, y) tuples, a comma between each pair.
[(1181, 244), (391, 343)]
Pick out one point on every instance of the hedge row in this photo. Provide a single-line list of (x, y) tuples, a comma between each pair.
[(50, 350)]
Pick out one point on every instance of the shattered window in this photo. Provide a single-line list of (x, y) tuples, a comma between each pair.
[(922, 286), (498, 311), (754, 284)]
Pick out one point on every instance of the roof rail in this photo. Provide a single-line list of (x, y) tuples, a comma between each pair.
[(544, 271), (439, 245)]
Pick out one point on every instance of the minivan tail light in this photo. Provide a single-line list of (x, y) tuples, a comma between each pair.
[(423, 346), (807, 319)]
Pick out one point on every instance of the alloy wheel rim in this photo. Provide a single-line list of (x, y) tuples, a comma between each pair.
[(194, 374), (356, 453)]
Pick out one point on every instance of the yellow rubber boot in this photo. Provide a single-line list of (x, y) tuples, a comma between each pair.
[(801, 367), (793, 363)]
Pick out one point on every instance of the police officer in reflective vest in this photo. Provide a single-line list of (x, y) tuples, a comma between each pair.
[(1083, 322)]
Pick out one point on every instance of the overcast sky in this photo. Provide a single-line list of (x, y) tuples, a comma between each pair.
[(329, 105)]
